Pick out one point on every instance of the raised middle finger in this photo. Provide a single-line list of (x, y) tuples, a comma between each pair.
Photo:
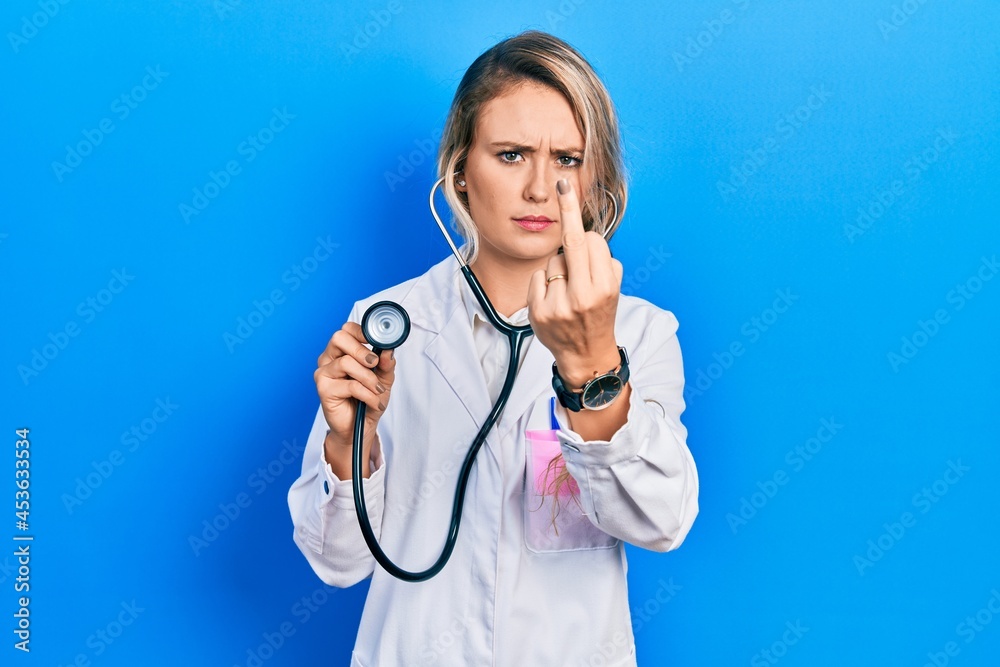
[(576, 250)]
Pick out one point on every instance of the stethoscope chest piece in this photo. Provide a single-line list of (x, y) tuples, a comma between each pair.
[(385, 325)]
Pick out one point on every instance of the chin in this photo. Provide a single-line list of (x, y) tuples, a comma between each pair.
[(523, 245)]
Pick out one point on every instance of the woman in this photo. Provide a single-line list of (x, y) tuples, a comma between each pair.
[(532, 170)]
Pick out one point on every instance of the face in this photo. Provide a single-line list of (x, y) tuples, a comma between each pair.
[(525, 141)]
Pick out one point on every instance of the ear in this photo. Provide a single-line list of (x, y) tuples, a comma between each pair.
[(460, 178)]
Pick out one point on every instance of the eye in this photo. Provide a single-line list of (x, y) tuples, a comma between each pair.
[(503, 154), (577, 161)]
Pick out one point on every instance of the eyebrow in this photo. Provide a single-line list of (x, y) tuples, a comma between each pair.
[(522, 148)]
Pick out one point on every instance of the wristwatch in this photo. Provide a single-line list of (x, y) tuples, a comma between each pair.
[(598, 393)]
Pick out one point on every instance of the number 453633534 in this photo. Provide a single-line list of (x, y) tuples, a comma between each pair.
[(22, 478)]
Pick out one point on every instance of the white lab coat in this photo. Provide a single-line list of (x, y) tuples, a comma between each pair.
[(506, 597)]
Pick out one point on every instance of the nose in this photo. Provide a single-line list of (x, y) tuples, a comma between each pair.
[(540, 183)]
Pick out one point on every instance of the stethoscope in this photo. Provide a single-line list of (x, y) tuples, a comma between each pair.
[(385, 326)]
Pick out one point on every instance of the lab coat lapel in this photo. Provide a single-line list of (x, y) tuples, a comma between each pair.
[(453, 351), (434, 304)]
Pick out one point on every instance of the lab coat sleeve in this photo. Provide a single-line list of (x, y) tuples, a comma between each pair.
[(642, 485), (325, 521)]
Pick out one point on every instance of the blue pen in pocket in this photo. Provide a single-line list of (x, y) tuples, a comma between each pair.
[(553, 422)]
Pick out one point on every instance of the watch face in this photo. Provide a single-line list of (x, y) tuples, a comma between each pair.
[(601, 392)]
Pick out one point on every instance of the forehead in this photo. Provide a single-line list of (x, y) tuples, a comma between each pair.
[(529, 113)]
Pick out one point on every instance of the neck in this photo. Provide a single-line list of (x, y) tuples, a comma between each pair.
[(506, 283)]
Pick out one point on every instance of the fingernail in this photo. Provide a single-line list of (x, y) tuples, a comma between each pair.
[(381, 406), (392, 353), (371, 358), (379, 387), (562, 185)]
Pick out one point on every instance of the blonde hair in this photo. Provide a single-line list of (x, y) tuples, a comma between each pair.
[(557, 472), (536, 56)]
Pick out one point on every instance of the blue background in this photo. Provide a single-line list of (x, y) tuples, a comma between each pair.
[(709, 94)]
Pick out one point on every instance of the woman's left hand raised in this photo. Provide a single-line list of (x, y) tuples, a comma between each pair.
[(574, 317)]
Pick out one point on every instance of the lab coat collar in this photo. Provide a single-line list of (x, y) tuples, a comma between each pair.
[(435, 304)]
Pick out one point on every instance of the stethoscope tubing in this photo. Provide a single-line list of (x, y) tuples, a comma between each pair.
[(516, 335)]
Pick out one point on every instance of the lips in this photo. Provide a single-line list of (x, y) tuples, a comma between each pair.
[(534, 223)]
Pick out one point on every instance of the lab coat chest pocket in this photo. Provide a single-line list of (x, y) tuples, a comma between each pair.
[(554, 520)]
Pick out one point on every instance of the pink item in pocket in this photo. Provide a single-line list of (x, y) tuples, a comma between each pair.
[(544, 446)]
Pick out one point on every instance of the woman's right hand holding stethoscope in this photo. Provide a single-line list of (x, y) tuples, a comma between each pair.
[(349, 370)]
